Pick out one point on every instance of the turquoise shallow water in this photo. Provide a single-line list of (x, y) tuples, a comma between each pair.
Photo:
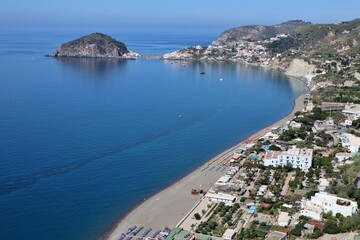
[(82, 141)]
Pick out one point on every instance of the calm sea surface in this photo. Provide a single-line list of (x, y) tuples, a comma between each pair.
[(82, 141)]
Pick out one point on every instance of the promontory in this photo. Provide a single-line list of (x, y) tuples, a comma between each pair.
[(95, 45)]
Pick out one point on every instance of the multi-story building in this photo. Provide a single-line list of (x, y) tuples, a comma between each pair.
[(330, 203), (298, 158)]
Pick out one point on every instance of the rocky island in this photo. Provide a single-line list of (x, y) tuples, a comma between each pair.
[(96, 45)]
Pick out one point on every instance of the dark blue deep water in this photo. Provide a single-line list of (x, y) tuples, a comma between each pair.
[(82, 140)]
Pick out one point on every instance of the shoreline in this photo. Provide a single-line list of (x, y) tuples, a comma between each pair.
[(137, 212)]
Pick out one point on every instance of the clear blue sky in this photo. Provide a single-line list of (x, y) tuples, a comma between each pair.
[(170, 14)]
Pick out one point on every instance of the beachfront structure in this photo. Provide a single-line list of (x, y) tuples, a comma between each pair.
[(333, 204), (232, 171), (298, 158), (220, 197), (350, 141), (223, 183), (294, 125), (270, 136)]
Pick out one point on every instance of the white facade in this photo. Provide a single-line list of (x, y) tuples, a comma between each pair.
[(352, 111), (342, 156), (348, 122), (334, 204), (311, 211), (350, 141), (298, 158), (220, 197)]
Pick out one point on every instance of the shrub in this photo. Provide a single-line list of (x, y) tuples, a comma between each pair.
[(331, 227), (197, 216)]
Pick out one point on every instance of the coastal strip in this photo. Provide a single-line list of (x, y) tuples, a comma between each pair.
[(166, 208)]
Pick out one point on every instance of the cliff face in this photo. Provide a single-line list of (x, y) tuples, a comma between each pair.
[(300, 68), (94, 45)]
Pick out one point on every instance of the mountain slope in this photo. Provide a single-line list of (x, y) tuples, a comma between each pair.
[(257, 32)]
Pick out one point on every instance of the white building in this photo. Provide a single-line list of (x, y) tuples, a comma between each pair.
[(298, 158), (334, 204), (350, 141), (352, 111), (348, 122), (295, 125), (270, 136), (283, 219), (262, 190), (220, 197), (229, 234), (310, 210), (342, 156)]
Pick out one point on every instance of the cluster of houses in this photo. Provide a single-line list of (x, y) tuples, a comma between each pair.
[(238, 180), (244, 51)]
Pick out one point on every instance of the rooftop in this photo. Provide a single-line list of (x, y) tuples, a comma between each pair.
[(284, 217), (352, 109), (229, 233), (318, 224), (333, 198), (275, 235), (298, 152), (272, 154)]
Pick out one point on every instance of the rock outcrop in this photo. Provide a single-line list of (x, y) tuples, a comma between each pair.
[(96, 45)]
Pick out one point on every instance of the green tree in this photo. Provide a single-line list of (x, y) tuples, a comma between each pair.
[(293, 184), (274, 148), (331, 227), (197, 216)]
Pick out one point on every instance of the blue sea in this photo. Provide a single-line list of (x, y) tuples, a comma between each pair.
[(82, 141)]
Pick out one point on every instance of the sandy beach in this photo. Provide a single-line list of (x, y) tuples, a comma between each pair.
[(168, 207)]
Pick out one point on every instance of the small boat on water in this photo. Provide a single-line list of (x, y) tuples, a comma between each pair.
[(202, 73), (180, 116), (221, 79)]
